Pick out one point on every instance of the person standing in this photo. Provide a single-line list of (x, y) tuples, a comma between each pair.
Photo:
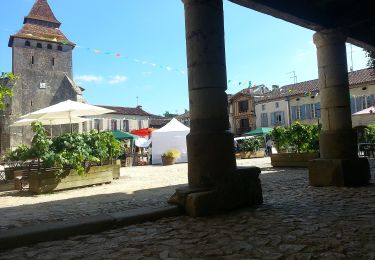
[(269, 145)]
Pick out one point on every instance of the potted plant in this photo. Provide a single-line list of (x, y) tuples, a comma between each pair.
[(71, 160), (249, 147), (302, 142), (170, 156)]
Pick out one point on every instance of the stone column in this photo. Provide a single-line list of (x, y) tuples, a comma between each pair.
[(339, 163), (212, 166)]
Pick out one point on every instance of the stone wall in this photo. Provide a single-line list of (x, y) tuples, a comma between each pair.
[(44, 80)]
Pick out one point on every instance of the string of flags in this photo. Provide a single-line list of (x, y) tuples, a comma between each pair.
[(126, 56)]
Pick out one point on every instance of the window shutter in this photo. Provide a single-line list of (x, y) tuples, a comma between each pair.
[(308, 111), (282, 118), (357, 103), (352, 105), (317, 109), (294, 113), (303, 112), (371, 100), (273, 118), (101, 124)]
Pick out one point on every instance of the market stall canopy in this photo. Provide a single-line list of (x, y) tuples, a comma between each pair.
[(144, 132), (259, 131), (55, 121), (367, 111), (67, 109), (120, 135), (172, 135), (142, 142)]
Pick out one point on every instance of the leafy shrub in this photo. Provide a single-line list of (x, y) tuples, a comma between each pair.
[(298, 137), (370, 133), (18, 156), (70, 150), (251, 144), (40, 144), (172, 152), (279, 136)]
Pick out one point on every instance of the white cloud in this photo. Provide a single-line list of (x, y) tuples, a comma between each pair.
[(117, 79), (89, 78), (146, 73)]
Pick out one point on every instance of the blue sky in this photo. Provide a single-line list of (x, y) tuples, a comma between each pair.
[(150, 36)]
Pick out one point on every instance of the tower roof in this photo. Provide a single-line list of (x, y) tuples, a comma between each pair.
[(41, 24), (42, 11)]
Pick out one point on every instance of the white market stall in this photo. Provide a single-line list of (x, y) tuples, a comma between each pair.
[(172, 135)]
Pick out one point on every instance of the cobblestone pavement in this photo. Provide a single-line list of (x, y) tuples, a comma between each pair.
[(146, 186), (295, 222)]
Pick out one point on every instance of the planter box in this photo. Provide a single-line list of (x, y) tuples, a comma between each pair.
[(9, 172), (116, 169), (257, 154), (6, 186), (47, 180), (292, 159), (248, 155)]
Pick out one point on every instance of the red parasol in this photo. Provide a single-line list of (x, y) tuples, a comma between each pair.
[(142, 132)]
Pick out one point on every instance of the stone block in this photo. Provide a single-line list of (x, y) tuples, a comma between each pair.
[(244, 189), (339, 172)]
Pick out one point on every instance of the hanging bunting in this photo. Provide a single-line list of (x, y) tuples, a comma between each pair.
[(145, 62)]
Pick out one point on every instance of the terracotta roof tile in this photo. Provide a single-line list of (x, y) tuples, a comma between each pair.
[(134, 111), (44, 33), (159, 122), (42, 11), (357, 77)]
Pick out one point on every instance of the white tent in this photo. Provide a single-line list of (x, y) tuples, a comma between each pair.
[(172, 135)]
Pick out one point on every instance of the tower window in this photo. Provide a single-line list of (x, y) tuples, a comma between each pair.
[(59, 48), (32, 59), (27, 43), (53, 61), (39, 45), (49, 46)]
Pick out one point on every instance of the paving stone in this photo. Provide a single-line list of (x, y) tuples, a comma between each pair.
[(295, 222)]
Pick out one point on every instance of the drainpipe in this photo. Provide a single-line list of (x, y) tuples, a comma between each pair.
[(288, 110)]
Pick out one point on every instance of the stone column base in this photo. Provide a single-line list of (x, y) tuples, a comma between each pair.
[(339, 172), (243, 190)]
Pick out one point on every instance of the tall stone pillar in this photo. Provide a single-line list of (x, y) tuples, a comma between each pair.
[(214, 181), (339, 164)]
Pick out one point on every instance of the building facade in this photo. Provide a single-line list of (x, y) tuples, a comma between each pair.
[(301, 102), (42, 61), (272, 113), (242, 117), (124, 119)]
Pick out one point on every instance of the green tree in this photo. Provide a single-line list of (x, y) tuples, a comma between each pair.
[(370, 59), (298, 136), (279, 137), (5, 87), (169, 115)]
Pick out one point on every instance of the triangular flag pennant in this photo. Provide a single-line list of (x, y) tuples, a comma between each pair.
[(117, 54), (97, 51)]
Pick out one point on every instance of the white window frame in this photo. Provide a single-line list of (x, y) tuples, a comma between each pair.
[(298, 112), (313, 110)]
